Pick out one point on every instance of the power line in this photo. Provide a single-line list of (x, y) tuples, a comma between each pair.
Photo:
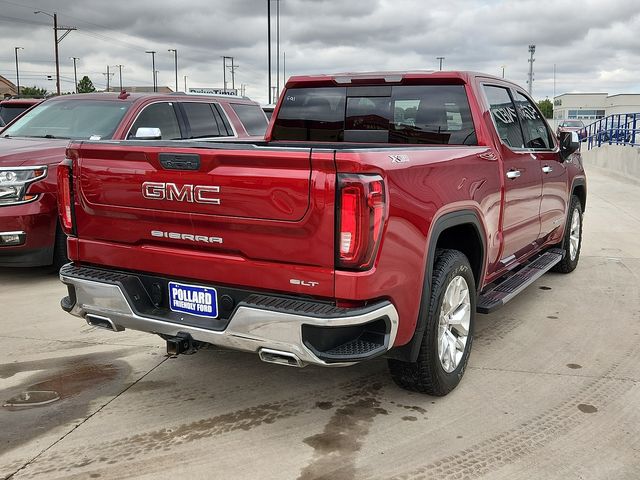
[(110, 38)]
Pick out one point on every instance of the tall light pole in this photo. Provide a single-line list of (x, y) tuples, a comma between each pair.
[(153, 68), (17, 69), (441, 59), (185, 84), (75, 72), (277, 48), (269, 43), (120, 72), (532, 50), (503, 70), (56, 42), (175, 60)]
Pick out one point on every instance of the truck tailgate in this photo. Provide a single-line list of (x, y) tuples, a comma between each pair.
[(215, 213)]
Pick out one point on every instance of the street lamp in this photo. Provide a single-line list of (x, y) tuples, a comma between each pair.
[(175, 58), (153, 67), (75, 72), (441, 59), (17, 70), (56, 42)]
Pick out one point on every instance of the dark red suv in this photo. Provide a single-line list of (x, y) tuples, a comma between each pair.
[(34, 144)]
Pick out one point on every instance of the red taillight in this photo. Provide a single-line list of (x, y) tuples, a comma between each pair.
[(362, 208), (64, 196)]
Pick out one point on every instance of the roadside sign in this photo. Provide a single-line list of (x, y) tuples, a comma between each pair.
[(213, 91)]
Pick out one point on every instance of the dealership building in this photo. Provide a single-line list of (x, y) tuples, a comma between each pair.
[(592, 106)]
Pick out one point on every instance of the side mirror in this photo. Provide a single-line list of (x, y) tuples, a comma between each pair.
[(569, 144), (148, 133)]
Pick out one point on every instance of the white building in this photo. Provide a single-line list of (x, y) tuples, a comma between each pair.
[(592, 106)]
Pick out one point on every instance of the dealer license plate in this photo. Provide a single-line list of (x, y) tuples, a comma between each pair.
[(193, 299)]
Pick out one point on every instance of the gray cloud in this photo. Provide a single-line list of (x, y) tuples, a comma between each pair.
[(593, 47)]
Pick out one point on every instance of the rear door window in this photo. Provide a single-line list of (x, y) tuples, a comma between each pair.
[(425, 114), (504, 115), (536, 133), (160, 115), (203, 120), (252, 117)]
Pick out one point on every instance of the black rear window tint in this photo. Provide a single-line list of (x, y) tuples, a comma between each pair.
[(9, 112), (202, 121), (252, 117), (425, 114)]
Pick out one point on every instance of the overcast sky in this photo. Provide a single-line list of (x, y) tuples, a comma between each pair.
[(594, 44)]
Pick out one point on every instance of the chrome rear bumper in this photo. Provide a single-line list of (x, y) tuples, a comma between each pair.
[(250, 328)]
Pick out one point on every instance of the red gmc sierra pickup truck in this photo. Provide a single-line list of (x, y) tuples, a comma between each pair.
[(380, 213)]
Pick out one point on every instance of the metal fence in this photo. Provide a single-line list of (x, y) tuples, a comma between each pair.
[(617, 129)]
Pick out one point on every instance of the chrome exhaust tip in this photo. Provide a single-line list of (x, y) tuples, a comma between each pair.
[(102, 322), (281, 358)]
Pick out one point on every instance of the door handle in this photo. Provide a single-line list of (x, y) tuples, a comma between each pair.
[(547, 169), (512, 174)]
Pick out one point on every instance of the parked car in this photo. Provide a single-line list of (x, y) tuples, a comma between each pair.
[(33, 145), (13, 107), (380, 213), (573, 126)]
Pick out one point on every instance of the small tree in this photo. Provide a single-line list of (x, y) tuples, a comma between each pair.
[(33, 91), (546, 107), (85, 85)]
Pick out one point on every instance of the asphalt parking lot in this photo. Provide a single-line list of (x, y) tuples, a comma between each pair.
[(552, 390)]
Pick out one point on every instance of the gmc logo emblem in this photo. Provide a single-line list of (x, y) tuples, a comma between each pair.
[(186, 193)]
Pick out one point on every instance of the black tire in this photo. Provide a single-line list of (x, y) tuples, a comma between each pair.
[(427, 374), (568, 264), (60, 249)]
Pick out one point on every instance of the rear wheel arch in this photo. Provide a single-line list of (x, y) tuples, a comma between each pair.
[(461, 230), (579, 189)]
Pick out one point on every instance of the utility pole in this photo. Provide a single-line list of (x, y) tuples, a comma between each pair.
[(185, 84), (233, 74), (75, 72), (175, 60), (153, 68), (56, 42), (17, 69), (232, 67), (108, 75), (441, 59), (532, 50), (284, 67), (120, 71), (269, 43), (503, 71)]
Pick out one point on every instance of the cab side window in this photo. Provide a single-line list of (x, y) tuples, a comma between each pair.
[(536, 132), (504, 116), (160, 115), (203, 120)]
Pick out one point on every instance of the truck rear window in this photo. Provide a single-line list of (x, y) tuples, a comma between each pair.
[(425, 114)]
